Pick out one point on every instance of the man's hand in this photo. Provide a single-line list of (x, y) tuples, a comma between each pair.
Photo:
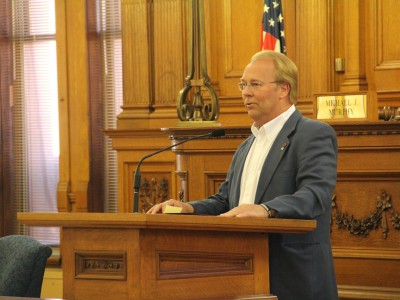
[(247, 210), (159, 208)]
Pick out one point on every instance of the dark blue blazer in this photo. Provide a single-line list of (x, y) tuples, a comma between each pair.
[(297, 180)]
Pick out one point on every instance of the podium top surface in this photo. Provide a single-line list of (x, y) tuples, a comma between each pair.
[(165, 221)]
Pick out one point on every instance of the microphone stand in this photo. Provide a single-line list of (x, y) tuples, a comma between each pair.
[(137, 176)]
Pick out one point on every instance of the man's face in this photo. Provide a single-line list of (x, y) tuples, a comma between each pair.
[(268, 99)]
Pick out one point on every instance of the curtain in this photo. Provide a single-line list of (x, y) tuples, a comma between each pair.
[(105, 66), (34, 107), (29, 109)]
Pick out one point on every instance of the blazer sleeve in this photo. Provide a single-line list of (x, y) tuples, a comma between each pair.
[(313, 159)]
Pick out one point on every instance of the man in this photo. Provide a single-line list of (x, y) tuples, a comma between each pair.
[(286, 169)]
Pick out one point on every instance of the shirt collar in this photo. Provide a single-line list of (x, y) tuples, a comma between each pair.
[(268, 128)]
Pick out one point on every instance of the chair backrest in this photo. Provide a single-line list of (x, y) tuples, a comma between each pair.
[(22, 264)]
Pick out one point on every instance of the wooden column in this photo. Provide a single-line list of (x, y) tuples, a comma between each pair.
[(313, 51), (350, 33), (72, 191)]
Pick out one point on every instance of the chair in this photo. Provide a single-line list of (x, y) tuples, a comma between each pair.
[(22, 264)]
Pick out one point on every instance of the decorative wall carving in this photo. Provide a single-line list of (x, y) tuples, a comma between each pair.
[(375, 220), (153, 191)]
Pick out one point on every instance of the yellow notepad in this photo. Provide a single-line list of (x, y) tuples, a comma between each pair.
[(172, 209)]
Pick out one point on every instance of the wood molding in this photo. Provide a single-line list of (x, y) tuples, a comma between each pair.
[(366, 253), (368, 292)]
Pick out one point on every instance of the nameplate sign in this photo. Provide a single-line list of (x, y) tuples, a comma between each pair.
[(341, 107)]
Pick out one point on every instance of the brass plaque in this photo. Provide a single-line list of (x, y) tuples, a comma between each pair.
[(341, 107)]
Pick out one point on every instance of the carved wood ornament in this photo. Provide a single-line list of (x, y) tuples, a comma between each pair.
[(375, 220), (153, 192)]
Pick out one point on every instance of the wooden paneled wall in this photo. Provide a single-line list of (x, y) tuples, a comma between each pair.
[(317, 31), (366, 211), (364, 33), (155, 35)]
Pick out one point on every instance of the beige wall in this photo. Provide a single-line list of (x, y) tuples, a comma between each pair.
[(52, 284)]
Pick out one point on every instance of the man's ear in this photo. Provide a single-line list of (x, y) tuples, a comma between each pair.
[(285, 89)]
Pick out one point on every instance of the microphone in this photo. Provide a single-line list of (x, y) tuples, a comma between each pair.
[(136, 185)]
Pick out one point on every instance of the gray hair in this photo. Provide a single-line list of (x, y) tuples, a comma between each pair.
[(285, 70)]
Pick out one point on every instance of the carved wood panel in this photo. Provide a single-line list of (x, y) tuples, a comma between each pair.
[(184, 264), (157, 184), (213, 182), (100, 265)]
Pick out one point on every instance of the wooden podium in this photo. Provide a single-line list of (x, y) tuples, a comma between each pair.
[(138, 256)]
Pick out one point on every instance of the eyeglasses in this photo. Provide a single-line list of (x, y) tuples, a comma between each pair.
[(253, 85)]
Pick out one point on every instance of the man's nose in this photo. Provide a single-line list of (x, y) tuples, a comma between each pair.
[(248, 90)]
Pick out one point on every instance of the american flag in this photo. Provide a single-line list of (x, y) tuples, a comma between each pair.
[(272, 33)]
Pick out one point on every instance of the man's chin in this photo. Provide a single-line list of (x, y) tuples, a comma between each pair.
[(252, 113)]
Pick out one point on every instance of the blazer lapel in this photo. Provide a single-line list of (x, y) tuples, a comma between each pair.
[(277, 151)]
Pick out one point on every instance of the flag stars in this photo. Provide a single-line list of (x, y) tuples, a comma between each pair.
[(271, 22), (273, 35)]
